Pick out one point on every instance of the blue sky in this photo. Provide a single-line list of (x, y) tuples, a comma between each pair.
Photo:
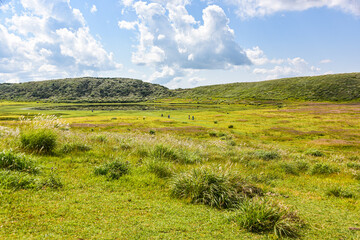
[(178, 43)]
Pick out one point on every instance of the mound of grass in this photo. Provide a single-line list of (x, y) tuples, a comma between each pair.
[(53, 181), (39, 140), (17, 180), (75, 147), (314, 153), (113, 170), (17, 162), (266, 155), (162, 152), (215, 188), (339, 192), (295, 168), (160, 169), (263, 216), (323, 168), (353, 165)]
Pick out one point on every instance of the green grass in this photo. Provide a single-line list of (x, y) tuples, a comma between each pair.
[(267, 148), (38, 140)]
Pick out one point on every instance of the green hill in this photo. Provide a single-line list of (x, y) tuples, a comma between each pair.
[(84, 90), (335, 87)]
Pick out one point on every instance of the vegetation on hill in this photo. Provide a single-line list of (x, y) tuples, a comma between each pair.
[(84, 90), (335, 87)]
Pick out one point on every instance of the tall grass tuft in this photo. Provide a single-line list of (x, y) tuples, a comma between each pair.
[(266, 155), (339, 192), (17, 162), (183, 156), (160, 169), (263, 216), (75, 147), (39, 140), (323, 168), (113, 170), (17, 180), (215, 188)]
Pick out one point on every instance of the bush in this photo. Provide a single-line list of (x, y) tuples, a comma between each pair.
[(160, 169), (314, 152), (113, 170), (12, 161), (339, 192), (231, 126), (266, 155), (323, 168), (212, 134), (39, 140), (212, 187), (262, 216), (152, 132)]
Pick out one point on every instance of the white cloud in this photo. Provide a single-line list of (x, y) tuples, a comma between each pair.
[(324, 61), (289, 68), (127, 25), (259, 8), (49, 39), (93, 9), (170, 39)]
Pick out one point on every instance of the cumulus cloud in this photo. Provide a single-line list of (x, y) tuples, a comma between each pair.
[(49, 39), (259, 8), (324, 61), (93, 9), (172, 41), (290, 67)]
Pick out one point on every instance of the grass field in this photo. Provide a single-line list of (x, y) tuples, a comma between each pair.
[(127, 173)]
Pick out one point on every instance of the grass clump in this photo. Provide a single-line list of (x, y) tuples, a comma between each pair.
[(183, 156), (264, 216), (75, 147), (354, 165), (160, 169), (16, 162), (339, 192), (266, 155), (295, 168), (17, 180), (113, 170), (39, 140), (323, 168), (53, 181), (215, 188), (314, 153)]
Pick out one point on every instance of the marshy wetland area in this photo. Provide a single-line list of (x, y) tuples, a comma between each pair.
[(180, 169)]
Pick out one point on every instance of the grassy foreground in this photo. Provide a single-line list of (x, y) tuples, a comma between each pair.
[(240, 171)]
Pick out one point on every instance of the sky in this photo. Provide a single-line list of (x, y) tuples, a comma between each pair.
[(178, 43)]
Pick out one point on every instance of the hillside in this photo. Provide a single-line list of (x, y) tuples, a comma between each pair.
[(336, 87), (84, 90)]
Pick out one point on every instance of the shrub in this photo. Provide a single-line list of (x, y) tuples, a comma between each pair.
[(39, 140), (113, 170), (12, 161), (152, 132), (160, 169), (339, 192), (266, 155), (323, 168), (231, 126), (314, 152), (17, 180), (75, 147), (215, 188), (262, 216)]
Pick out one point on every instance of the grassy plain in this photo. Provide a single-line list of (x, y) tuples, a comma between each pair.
[(303, 155)]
